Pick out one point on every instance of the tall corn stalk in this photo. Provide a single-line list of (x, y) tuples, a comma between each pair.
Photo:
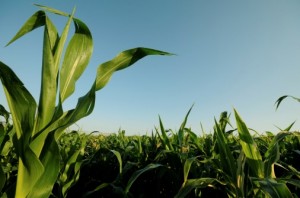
[(38, 126)]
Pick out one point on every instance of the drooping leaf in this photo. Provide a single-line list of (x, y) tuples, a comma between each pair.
[(35, 21), (273, 188), (279, 100), (76, 59), (118, 156), (21, 104), (121, 61), (191, 184), (137, 173)]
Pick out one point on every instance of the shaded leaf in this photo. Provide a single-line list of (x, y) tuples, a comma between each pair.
[(136, 174), (195, 183), (273, 188)]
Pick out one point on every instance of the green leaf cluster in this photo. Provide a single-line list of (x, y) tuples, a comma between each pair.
[(37, 126)]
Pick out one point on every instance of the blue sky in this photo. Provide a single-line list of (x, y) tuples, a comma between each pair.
[(229, 54)]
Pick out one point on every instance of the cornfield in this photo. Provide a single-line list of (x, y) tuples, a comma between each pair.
[(226, 163), (40, 158)]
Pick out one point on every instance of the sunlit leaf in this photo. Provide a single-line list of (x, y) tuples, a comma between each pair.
[(121, 61)]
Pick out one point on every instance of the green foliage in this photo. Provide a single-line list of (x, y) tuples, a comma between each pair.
[(38, 126), (40, 159)]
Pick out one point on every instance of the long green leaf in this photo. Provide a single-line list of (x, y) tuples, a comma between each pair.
[(226, 158), (195, 183), (71, 170), (118, 156), (182, 128), (35, 21), (272, 155), (279, 100), (273, 188), (249, 147), (50, 159), (121, 61), (164, 137), (76, 59), (22, 107), (187, 167), (55, 11), (136, 174), (21, 103), (48, 91)]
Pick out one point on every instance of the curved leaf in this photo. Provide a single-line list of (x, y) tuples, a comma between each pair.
[(273, 188), (76, 59), (121, 61), (249, 147), (21, 104), (35, 21), (272, 155), (195, 183), (118, 156), (136, 174)]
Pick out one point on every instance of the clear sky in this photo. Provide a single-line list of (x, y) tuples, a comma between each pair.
[(229, 54)]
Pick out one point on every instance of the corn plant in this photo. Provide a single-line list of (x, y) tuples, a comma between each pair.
[(38, 126)]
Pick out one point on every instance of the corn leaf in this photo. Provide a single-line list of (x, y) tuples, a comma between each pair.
[(164, 137), (50, 159), (182, 128), (48, 91), (279, 100), (71, 171), (136, 174), (118, 156), (21, 103), (191, 184), (76, 59), (22, 107), (272, 155), (55, 11), (226, 158), (35, 21), (30, 169), (241, 161), (187, 167), (249, 147), (273, 188), (122, 61)]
